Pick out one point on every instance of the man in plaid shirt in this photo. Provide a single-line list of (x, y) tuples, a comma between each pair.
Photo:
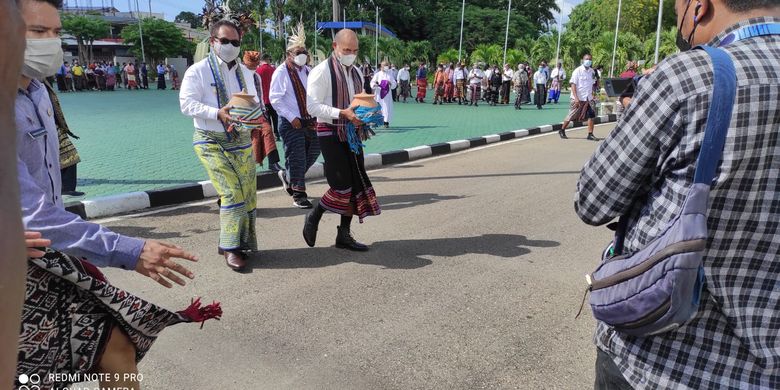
[(644, 170)]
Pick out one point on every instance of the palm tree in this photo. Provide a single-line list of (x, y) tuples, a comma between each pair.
[(544, 49), (447, 57)]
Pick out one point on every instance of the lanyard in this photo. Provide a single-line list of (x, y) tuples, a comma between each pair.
[(746, 32)]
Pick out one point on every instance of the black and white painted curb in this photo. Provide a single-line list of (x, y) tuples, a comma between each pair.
[(137, 201)]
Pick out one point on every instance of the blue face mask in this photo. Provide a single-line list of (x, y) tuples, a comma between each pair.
[(587, 63)]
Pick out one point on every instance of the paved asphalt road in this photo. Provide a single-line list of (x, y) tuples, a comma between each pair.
[(473, 280)]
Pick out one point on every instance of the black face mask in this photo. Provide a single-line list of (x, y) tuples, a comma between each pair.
[(683, 44)]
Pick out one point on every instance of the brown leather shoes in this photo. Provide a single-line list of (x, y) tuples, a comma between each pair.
[(235, 260)]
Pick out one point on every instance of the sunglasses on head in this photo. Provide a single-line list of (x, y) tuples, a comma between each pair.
[(225, 41)]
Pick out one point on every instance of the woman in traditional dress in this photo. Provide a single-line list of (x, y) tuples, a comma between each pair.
[(130, 72)]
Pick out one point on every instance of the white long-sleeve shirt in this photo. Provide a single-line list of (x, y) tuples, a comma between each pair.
[(282, 94), (476, 75), (198, 94), (403, 75), (507, 75), (319, 94), (382, 75), (540, 77), (558, 72)]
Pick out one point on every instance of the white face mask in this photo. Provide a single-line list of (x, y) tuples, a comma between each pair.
[(300, 59), (42, 57), (227, 52), (347, 59), (385, 68), (587, 63)]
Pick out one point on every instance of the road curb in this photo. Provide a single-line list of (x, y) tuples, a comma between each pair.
[(137, 201)]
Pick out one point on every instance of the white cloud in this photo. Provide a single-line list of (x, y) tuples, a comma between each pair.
[(566, 7)]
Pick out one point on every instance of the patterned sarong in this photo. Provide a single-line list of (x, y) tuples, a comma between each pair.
[(68, 315), (422, 88), (231, 168)]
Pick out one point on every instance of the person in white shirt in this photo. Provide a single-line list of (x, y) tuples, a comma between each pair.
[(404, 81), (460, 82), (475, 84), (332, 87), (581, 106), (393, 72), (556, 78), (540, 79), (506, 83), (382, 83), (225, 152), (296, 126)]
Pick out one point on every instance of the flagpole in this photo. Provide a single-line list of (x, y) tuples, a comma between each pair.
[(614, 46), (315, 35), (506, 36), (376, 40), (560, 26), (658, 30), (462, 12)]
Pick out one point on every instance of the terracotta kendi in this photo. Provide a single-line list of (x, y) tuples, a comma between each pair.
[(364, 99)]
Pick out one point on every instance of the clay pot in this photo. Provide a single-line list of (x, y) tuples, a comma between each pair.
[(243, 100), (364, 99)]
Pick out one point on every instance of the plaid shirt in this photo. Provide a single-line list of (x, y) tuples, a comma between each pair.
[(644, 169)]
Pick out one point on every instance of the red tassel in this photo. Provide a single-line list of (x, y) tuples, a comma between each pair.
[(196, 313)]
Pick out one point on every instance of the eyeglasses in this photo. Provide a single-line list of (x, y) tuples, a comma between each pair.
[(225, 41)]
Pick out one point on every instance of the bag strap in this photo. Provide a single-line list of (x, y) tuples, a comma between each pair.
[(719, 116), (718, 119)]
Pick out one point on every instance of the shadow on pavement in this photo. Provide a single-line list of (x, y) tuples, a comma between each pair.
[(144, 232), (387, 202), (386, 179), (398, 254)]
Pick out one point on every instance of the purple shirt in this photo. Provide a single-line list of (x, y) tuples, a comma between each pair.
[(37, 161)]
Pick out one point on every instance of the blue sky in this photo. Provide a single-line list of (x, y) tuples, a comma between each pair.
[(171, 8)]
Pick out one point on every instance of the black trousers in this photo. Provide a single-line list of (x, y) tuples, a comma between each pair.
[(608, 375), (69, 178), (145, 81), (274, 117), (160, 81), (505, 92), (395, 94), (539, 97), (61, 83)]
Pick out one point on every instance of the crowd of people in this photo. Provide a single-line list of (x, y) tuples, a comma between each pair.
[(109, 76), (458, 83)]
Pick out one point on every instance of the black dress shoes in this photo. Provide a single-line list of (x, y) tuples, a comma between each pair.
[(344, 240)]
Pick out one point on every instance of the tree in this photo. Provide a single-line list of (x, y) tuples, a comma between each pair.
[(85, 28), (161, 39), (188, 17), (593, 17), (448, 57)]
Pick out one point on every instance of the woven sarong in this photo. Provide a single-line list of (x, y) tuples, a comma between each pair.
[(68, 315), (231, 168)]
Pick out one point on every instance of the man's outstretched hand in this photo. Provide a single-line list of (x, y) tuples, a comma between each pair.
[(156, 263), (33, 241)]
